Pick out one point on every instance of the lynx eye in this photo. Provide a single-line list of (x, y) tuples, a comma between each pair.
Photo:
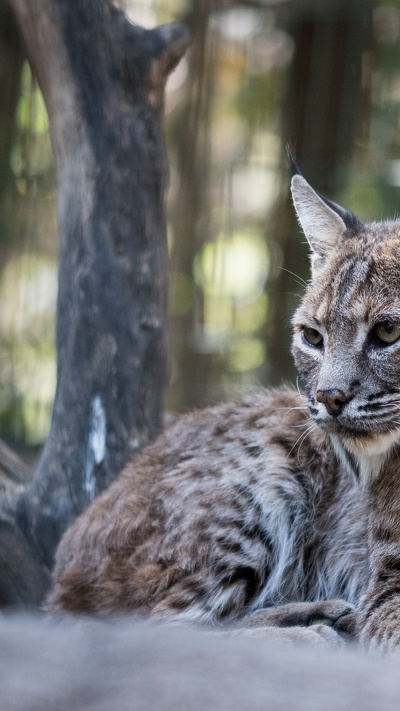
[(312, 336), (387, 332)]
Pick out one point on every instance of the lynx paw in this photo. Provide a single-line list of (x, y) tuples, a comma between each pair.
[(326, 613)]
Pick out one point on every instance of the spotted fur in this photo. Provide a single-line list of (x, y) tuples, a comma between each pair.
[(278, 498)]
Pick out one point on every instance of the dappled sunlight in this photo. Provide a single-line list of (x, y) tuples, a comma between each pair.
[(28, 288), (235, 268)]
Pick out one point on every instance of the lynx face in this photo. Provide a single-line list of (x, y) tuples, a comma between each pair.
[(347, 330)]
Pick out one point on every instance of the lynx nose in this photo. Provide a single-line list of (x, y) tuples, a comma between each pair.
[(334, 400)]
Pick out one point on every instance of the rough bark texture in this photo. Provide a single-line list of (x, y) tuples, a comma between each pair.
[(13, 471), (103, 83)]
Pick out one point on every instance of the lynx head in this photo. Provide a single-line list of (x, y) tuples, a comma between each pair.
[(346, 340)]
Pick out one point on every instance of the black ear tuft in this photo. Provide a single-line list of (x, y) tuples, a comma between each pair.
[(350, 220), (295, 170)]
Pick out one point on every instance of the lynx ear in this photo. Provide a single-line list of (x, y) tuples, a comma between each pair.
[(322, 225)]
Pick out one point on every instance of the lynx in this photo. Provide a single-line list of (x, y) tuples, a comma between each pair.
[(280, 509)]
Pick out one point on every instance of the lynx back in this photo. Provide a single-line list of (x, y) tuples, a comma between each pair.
[(256, 513)]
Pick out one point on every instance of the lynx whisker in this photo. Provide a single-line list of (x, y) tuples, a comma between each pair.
[(299, 279), (300, 394), (299, 441), (288, 410), (291, 409), (297, 427)]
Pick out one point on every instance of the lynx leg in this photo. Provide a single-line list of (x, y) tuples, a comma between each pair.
[(323, 623), (303, 614)]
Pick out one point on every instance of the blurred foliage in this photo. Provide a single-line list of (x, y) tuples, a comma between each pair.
[(249, 83), (28, 273)]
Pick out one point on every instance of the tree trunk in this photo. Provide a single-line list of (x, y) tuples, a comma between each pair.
[(103, 82), (320, 114), (11, 61), (191, 212)]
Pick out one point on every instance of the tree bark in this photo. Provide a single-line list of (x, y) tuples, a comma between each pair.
[(12, 469), (103, 83)]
